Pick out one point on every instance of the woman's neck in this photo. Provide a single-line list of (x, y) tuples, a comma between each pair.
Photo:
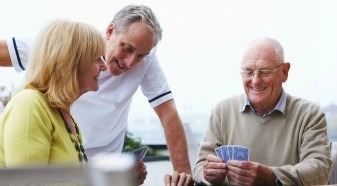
[(69, 121)]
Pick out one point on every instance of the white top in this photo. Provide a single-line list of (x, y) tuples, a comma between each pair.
[(102, 115), (19, 50)]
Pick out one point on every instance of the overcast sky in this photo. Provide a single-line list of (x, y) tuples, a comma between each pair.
[(203, 41)]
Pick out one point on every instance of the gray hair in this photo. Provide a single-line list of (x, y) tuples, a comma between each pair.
[(134, 13)]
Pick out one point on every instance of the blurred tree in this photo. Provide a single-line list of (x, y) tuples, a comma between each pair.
[(5, 95), (131, 143)]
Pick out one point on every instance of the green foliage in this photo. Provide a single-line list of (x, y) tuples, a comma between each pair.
[(131, 143)]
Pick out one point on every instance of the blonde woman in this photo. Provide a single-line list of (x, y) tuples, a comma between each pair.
[(36, 127)]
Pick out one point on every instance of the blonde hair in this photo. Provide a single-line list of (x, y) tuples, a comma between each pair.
[(63, 50)]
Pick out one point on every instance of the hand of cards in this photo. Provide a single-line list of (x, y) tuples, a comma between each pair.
[(232, 152), (140, 153)]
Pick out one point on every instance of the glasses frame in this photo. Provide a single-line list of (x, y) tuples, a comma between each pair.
[(102, 58), (262, 73)]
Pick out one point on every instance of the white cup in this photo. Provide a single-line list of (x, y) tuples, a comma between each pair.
[(111, 169)]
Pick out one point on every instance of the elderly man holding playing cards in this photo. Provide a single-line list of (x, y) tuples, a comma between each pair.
[(265, 136)]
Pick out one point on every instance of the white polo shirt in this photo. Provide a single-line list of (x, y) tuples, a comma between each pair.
[(102, 115)]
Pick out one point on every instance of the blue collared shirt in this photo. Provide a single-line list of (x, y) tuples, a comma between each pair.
[(280, 106)]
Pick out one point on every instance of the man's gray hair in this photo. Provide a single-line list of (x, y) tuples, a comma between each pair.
[(134, 13)]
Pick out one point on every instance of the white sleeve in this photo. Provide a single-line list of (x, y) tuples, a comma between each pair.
[(154, 85), (19, 50)]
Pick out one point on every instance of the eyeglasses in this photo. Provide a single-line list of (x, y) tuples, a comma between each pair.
[(102, 58), (249, 73)]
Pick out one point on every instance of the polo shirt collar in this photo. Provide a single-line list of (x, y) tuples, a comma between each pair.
[(280, 106)]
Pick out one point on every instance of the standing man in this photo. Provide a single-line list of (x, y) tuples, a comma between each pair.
[(286, 135), (130, 38)]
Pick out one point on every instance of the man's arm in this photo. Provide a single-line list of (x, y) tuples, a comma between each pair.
[(5, 60), (175, 136)]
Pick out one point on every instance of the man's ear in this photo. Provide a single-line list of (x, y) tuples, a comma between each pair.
[(286, 68), (109, 30)]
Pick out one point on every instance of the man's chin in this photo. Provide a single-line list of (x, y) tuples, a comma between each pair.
[(114, 72), (256, 98)]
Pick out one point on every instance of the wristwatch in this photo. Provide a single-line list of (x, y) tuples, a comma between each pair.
[(278, 182)]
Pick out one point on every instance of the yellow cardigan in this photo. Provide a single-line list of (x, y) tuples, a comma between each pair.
[(33, 133)]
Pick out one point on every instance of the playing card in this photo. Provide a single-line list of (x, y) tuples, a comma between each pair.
[(140, 153), (218, 152), (225, 153), (241, 153), (230, 151)]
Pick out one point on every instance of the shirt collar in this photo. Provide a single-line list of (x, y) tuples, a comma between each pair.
[(280, 106)]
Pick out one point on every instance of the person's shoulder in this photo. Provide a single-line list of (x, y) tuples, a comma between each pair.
[(26, 100), (28, 96), (28, 93), (302, 103), (234, 101)]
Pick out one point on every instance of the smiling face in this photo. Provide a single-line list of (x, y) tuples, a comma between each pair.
[(264, 92), (126, 49), (88, 80)]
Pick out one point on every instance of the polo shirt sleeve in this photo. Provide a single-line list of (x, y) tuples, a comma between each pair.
[(19, 50), (154, 85)]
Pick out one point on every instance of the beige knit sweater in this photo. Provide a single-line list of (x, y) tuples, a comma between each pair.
[(295, 145)]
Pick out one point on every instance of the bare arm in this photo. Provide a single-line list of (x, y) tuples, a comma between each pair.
[(5, 60), (175, 136)]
